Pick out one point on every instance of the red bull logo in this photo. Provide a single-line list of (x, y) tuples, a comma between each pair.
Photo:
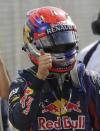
[(61, 123), (27, 100), (62, 107)]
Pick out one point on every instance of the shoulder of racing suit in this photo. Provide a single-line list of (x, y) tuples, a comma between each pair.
[(90, 52), (89, 81)]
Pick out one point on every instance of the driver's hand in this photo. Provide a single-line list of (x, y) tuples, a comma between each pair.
[(45, 63)]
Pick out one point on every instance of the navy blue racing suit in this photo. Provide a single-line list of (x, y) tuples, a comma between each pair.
[(54, 105)]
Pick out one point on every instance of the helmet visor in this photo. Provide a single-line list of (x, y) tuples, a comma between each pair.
[(59, 42)]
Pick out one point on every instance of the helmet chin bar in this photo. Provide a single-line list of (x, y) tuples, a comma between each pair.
[(68, 69), (34, 57)]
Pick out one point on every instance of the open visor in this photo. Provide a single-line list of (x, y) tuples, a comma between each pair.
[(58, 42)]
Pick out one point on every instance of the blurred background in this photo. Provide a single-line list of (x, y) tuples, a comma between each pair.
[(12, 18)]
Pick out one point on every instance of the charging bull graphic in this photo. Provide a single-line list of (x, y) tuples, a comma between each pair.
[(62, 107)]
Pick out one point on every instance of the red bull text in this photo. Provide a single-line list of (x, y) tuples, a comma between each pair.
[(64, 122)]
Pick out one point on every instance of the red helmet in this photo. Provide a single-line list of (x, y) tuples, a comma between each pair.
[(52, 30)]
